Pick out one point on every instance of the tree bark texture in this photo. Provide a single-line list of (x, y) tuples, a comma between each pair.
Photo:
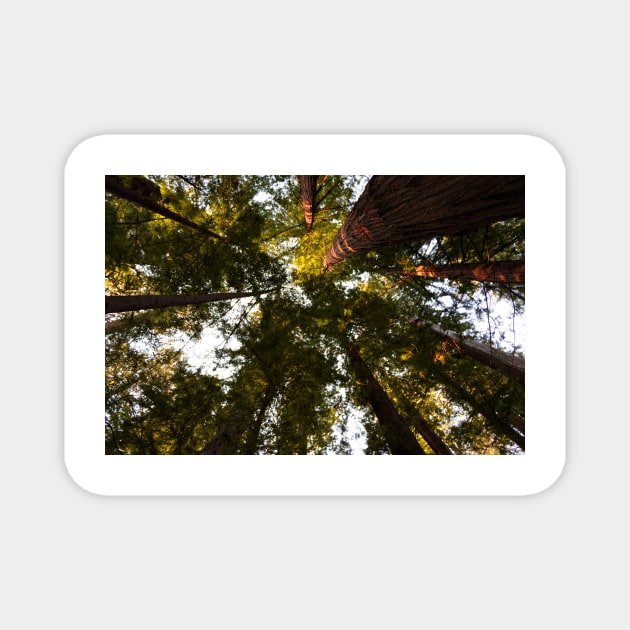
[(308, 190), (123, 303), (146, 193), (505, 271), (396, 209), (400, 439), (509, 364)]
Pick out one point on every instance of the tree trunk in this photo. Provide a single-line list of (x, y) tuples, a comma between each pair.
[(396, 209), (308, 190), (123, 303), (518, 422), (507, 271), (400, 439), (509, 364), (498, 424), (146, 193), (253, 434), (225, 442), (431, 437), (425, 430)]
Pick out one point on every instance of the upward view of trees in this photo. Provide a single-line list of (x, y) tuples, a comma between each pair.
[(314, 314)]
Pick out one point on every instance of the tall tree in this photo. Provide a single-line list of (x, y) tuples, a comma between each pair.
[(323, 363), (401, 209), (400, 439), (426, 430), (308, 192), (122, 303), (147, 194), (507, 271), (510, 364)]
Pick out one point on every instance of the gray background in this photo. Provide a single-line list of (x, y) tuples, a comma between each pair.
[(74, 70)]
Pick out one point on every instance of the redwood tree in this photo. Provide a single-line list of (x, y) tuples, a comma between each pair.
[(308, 192), (425, 430), (395, 209), (400, 439), (123, 303), (509, 364), (507, 271), (284, 374), (146, 193)]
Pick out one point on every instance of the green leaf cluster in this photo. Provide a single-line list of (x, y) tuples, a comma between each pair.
[(275, 377)]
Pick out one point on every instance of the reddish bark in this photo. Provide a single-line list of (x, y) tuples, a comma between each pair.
[(396, 209), (509, 364), (507, 271), (308, 190)]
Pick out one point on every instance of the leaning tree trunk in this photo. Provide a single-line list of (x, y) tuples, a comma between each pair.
[(431, 437), (506, 271), (224, 442), (498, 424), (425, 430), (146, 193), (509, 364), (308, 190), (252, 438), (123, 303), (400, 439), (396, 209)]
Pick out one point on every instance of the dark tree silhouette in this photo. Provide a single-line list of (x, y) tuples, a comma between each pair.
[(400, 439), (123, 303), (146, 193)]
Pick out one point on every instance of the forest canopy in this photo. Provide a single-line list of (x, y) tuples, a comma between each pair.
[(314, 314)]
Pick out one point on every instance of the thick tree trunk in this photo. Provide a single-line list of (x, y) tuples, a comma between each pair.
[(395, 209), (123, 303), (308, 190), (506, 271), (509, 364), (400, 439), (146, 193)]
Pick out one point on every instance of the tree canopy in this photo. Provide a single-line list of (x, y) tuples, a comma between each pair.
[(312, 314)]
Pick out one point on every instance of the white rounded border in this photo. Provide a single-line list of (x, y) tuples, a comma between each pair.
[(359, 154)]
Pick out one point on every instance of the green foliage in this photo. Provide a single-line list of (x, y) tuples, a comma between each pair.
[(274, 376), (156, 405)]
